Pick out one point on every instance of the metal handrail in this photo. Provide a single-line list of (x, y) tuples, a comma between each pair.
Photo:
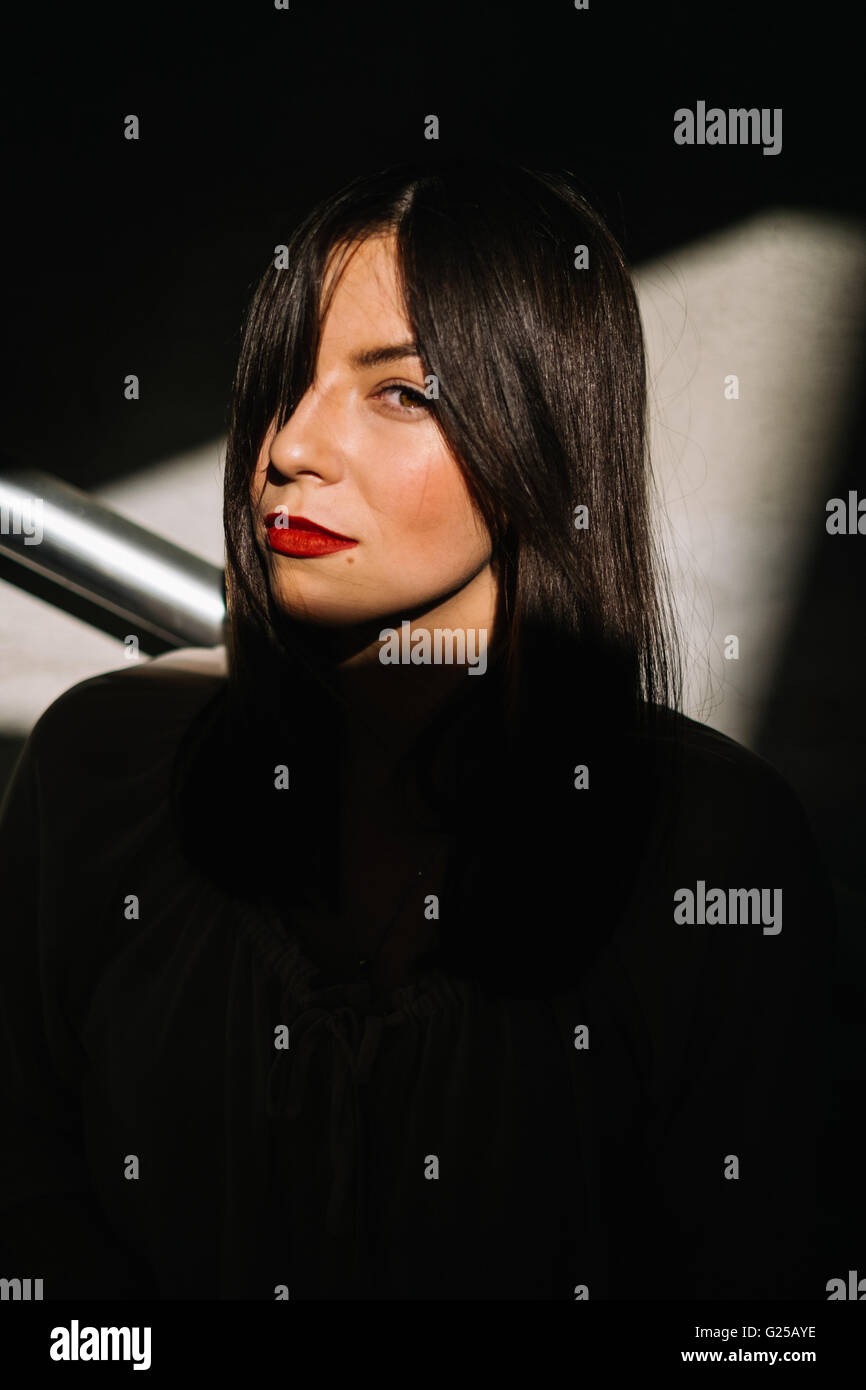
[(66, 535)]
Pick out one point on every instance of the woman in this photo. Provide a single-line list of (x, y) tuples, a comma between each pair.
[(416, 946)]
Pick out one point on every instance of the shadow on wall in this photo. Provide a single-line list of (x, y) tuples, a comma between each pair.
[(812, 730), (11, 746)]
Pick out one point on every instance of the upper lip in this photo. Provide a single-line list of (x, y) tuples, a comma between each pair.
[(303, 523)]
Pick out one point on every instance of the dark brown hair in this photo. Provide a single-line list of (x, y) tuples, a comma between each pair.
[(539, 354)]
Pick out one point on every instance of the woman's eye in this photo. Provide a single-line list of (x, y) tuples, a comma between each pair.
[(417, 400)]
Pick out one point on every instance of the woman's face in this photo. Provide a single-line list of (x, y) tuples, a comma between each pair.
[(361, 456)]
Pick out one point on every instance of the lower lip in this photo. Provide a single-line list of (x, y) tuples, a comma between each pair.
[(305, 544)]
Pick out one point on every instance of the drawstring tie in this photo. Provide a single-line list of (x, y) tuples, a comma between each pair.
[(354, 1043), (328, 1026)]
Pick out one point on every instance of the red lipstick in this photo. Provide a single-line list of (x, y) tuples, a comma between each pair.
[(298, 536)]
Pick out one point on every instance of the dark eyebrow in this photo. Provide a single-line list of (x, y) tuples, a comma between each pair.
[(374, 357)]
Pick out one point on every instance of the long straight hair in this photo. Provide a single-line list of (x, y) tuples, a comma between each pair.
[(522, 306)]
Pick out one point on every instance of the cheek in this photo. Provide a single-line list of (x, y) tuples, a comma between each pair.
[(427, 498)]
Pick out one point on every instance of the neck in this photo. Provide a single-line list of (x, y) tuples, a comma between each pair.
[(388, 702)]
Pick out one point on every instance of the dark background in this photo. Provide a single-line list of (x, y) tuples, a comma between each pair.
[(140, 256)]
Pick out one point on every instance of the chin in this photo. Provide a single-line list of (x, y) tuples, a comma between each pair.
[(336, 611), (318, 611)]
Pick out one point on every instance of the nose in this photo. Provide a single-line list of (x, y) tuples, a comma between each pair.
[(309, 441)]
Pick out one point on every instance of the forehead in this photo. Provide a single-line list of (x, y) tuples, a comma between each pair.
[(362, 280)]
